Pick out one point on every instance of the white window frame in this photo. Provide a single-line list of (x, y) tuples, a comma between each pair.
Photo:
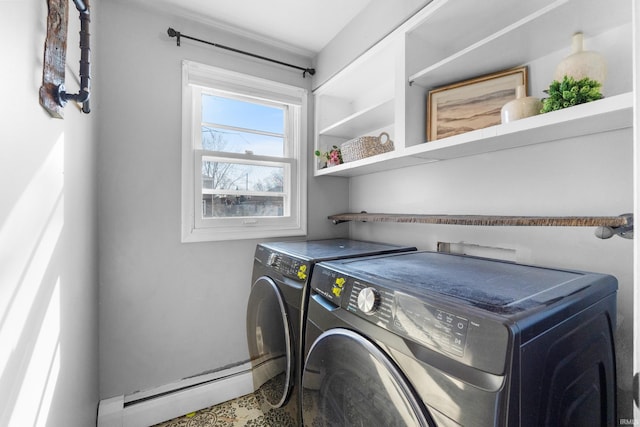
[(198, 79)]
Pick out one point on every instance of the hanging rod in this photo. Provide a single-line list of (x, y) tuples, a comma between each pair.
[(178, 35), (607, 226)]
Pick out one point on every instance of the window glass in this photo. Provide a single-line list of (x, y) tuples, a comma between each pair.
[(241, 205), (237, 176), (242, 114), (242, 190), (237, 141)]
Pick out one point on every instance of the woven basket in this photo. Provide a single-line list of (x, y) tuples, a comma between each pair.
[(365, 146)]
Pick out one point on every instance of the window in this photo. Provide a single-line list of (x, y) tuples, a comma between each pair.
[(243, 168)]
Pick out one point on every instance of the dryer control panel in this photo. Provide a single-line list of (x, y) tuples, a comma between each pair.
[(287, 266)]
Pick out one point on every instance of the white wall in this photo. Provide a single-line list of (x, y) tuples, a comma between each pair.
[(169, 310), (636, 180), (48, 247), (378, 19)]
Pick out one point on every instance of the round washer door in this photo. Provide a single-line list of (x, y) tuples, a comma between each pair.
[(348, 381), (270, 342)]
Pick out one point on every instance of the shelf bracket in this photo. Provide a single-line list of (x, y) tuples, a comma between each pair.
[(624, 231), (340, 221), (335, 220)]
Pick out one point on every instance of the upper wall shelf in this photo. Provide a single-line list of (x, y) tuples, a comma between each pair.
[(604, 115), (530, 37), (361, 121), (450, 40)]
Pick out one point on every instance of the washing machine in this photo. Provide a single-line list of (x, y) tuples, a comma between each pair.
[(276, 310), (433, 339)]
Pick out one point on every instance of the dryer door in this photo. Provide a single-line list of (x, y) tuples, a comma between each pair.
[(349, 381), (270, 342)]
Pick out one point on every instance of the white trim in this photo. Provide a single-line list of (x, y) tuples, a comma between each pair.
[(110, 412), (166, 402), (219, 80), (198, 78), (636, 202)]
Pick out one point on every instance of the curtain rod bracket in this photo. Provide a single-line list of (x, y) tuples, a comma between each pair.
[(173, 33)]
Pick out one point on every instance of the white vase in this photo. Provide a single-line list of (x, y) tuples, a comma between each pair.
[(582, 63), (521, 107)]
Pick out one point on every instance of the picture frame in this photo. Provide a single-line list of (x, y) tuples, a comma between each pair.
[(471, 104)]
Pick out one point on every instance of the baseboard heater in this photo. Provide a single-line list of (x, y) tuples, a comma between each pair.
[(147, 408)]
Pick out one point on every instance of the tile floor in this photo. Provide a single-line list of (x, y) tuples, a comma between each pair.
[(243, 411)]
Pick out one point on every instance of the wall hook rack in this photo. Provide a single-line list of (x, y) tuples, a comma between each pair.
[(607, 226), (178, 35), (82, 97), (53, 94)]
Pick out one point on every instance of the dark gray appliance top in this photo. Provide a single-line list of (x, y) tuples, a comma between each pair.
[(494, 285), (332, 249)]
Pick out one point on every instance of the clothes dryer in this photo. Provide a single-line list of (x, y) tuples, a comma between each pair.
[(276, 311), (432, 339)]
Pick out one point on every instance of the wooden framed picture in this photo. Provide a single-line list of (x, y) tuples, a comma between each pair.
[(471, 104)]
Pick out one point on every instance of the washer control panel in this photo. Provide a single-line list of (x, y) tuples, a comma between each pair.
[(430, 325), (371, 301), (417, 314), (410, 316)]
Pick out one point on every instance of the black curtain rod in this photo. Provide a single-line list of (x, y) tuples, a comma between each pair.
[(178, 35)]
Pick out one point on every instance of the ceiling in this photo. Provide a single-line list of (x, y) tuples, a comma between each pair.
[(305, 26)]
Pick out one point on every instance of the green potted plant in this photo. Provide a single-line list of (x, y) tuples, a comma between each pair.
[(570, 92)]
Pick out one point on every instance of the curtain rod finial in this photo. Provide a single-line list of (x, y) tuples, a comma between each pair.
[(173, 33)]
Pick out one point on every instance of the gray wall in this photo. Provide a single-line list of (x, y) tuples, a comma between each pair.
[(170, 310), (48, 232)]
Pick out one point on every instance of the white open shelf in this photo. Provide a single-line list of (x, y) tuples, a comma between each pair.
[(531, 37), (430, 50), (363, 104), (362, 121), (604, 115)]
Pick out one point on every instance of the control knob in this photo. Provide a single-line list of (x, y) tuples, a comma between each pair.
[(368, 300), (273, 259)]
